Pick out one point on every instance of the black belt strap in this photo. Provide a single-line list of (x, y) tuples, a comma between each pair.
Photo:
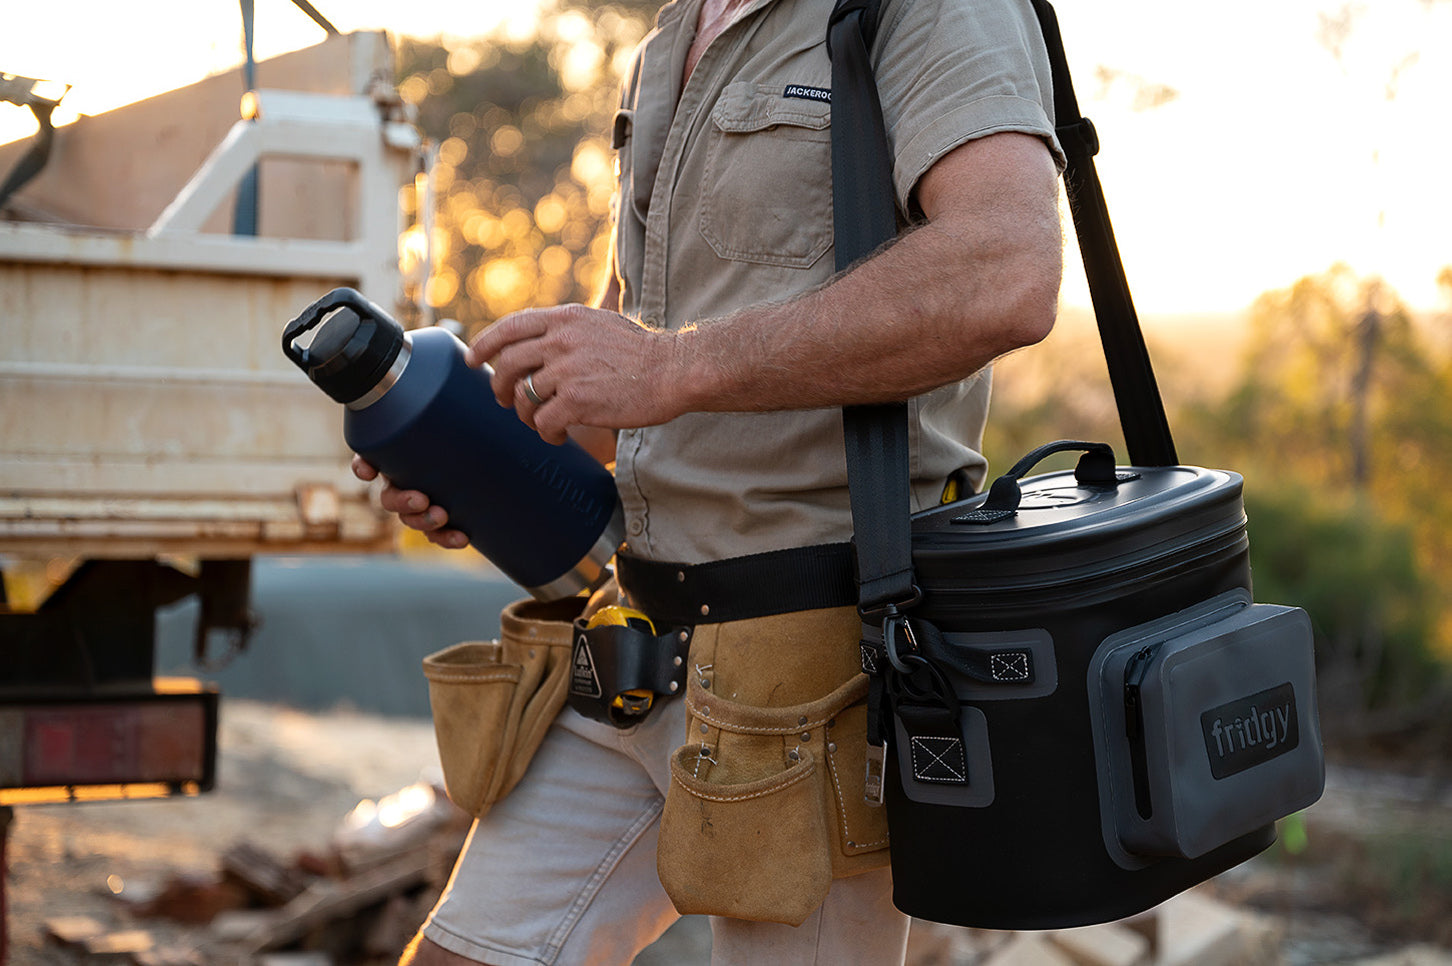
[(739, 588)]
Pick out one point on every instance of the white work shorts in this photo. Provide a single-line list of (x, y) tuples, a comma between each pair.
[(563, 870)]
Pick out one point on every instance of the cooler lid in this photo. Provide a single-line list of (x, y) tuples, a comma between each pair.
[(1097, 515)]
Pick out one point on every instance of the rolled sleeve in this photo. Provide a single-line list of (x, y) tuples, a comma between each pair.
[(950, 71)]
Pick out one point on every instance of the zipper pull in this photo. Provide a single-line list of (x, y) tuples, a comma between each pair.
[(1134, 674)]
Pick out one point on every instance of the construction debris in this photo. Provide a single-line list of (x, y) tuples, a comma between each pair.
[(327, 901), (268, 881), (1108, 945), (359, 900), (187, 897), (1191, 929)]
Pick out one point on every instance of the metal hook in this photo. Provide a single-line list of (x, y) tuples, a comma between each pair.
[(889, 641)]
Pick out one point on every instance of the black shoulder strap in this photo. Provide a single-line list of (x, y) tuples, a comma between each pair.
[(864, 217), (1136, 394)]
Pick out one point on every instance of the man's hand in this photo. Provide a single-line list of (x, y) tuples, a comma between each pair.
[(584, 366), (414, 509), (980, 278)]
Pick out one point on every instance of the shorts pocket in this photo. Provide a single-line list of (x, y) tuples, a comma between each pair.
[(769, 162)]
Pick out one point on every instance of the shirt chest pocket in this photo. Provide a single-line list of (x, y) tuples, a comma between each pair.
[(767, 191)]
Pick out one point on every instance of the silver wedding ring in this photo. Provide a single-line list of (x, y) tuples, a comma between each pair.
[(529, 390)]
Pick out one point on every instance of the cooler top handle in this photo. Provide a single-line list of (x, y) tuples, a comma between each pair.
[(1095, 468)]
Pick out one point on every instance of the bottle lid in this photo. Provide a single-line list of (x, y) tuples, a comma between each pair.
[(353, 348)]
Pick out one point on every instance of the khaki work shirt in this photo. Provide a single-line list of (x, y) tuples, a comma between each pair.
[(725, 201)]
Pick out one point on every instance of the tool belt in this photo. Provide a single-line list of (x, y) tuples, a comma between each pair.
[(623, 662), (765, 806)]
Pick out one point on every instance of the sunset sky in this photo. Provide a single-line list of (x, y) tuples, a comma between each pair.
[(1239, 151)]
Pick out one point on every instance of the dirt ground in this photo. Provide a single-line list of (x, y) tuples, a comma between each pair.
[(288, 779)]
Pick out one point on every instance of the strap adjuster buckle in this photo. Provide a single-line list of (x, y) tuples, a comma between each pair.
[(872, 613)]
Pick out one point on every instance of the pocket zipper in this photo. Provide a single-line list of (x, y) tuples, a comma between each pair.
[(1134, 674)]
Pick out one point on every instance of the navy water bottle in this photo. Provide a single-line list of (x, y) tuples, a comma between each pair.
[(548, 516)]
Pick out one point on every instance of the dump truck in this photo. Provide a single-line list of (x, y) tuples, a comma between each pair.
[(153, 437)]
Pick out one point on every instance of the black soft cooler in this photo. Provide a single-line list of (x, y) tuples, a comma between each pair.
[(1130, 723)]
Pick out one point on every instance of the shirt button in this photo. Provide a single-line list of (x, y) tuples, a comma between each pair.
[(637, 527)]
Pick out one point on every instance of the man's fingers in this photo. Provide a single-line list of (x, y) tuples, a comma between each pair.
[(364, 470), (517, 327), (434, 518), (448, 539), (401, 502)]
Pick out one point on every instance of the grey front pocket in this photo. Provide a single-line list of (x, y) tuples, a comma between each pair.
[(1205, 727)]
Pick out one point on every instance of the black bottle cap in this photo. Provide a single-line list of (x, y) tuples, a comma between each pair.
[(355, 344)]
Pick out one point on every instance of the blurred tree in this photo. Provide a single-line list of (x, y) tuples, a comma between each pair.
[(520, 192), (1336, 382), (1058, 389), (1342, 391)]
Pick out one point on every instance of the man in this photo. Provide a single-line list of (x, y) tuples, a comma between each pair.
[(718, 358)]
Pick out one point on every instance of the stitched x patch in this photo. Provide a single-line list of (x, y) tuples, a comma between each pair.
[(939, 760), (1009, 665)]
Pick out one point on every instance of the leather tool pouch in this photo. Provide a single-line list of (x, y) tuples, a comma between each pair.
[(765, 805), (493, 701)]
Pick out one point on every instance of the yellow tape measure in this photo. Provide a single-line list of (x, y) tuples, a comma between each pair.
[(637, 701)]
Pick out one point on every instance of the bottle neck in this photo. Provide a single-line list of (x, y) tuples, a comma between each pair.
[(389, 380)]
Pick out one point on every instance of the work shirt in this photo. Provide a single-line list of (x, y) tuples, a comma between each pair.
[(725, 201)]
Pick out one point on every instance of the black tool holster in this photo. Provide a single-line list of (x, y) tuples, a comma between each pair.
[(618, 673)]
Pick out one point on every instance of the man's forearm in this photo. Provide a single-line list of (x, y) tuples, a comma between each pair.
[(980, 279)]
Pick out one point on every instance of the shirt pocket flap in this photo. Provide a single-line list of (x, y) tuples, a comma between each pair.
[(746, 108)]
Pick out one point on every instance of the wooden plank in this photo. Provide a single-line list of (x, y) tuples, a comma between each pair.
[(327, 901)]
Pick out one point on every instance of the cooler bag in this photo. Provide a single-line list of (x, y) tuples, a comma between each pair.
[(1076, 709), (1090, 715)]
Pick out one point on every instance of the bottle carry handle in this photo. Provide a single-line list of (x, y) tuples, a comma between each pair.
[(311, 316)]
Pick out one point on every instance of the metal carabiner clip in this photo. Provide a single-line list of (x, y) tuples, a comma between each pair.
[(889, 641)]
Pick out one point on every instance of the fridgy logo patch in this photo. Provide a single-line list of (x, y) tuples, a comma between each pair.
[(808, 93), (1251, 730)]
